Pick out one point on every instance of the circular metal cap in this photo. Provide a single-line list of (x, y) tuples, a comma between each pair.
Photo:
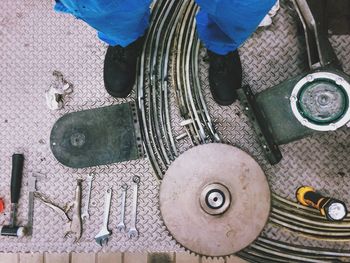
[(320, 101), (215, 199)]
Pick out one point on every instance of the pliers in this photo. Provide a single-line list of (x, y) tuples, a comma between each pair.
[(74, 224)]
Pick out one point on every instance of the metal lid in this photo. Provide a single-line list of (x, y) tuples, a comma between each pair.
[(214, 199), (320, 101)]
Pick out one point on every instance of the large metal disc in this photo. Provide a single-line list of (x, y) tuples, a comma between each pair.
[(215, 199)]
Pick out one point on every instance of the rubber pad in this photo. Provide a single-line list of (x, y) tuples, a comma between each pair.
[(97, 137)]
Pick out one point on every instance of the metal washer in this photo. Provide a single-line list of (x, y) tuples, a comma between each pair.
[(186, 182)]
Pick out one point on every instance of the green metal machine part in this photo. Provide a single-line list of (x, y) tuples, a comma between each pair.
[(315, 101)]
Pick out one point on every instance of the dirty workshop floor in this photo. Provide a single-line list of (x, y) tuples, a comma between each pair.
[(35, 42)]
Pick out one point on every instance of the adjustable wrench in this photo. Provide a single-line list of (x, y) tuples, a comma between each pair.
[(121, 225), (102, 236), (133, 231), (85, 215)]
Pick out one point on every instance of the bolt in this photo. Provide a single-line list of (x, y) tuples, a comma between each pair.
[(339, 81), (310, 78), (333, 126), (293, 98)]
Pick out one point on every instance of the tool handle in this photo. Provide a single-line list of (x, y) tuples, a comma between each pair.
[(107, 207), (16, 177), (313, 198)]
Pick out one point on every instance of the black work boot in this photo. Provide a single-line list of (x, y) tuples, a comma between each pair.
[(119, 71), (225, 76)]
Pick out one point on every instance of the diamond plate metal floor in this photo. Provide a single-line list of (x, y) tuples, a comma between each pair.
[(35, 41), (270, 56)]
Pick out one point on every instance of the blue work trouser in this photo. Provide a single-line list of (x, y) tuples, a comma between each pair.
[(223, 25)]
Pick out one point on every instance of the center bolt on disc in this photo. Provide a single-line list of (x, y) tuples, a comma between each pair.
[(215, 199)]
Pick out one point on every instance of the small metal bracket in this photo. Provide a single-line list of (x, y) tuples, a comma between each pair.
[(137, 129)]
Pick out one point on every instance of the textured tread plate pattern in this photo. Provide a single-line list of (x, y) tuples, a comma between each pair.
[(271, 56), (35, 41)]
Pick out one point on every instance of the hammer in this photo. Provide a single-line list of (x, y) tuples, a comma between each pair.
[(16, 180)]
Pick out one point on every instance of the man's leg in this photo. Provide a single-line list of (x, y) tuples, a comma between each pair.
[(121, 24), (223, 25)]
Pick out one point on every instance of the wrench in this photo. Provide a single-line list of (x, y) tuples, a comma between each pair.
[(85, 215), (133, 231), (75, 227), (121, 225), (102, 236)]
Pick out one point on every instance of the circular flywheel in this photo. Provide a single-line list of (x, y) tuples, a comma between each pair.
[(214, 199)]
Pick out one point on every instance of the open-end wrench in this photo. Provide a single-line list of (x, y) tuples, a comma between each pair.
[(133, 231), (121, 225), (85, 215), (102, 236)]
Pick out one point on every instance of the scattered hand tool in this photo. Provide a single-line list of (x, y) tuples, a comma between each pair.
[(133, 231), (102, 236), (332, 209), (61, 211), (85, 215), (32, 189), (121, 225), (16, 180), (75, 226)]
